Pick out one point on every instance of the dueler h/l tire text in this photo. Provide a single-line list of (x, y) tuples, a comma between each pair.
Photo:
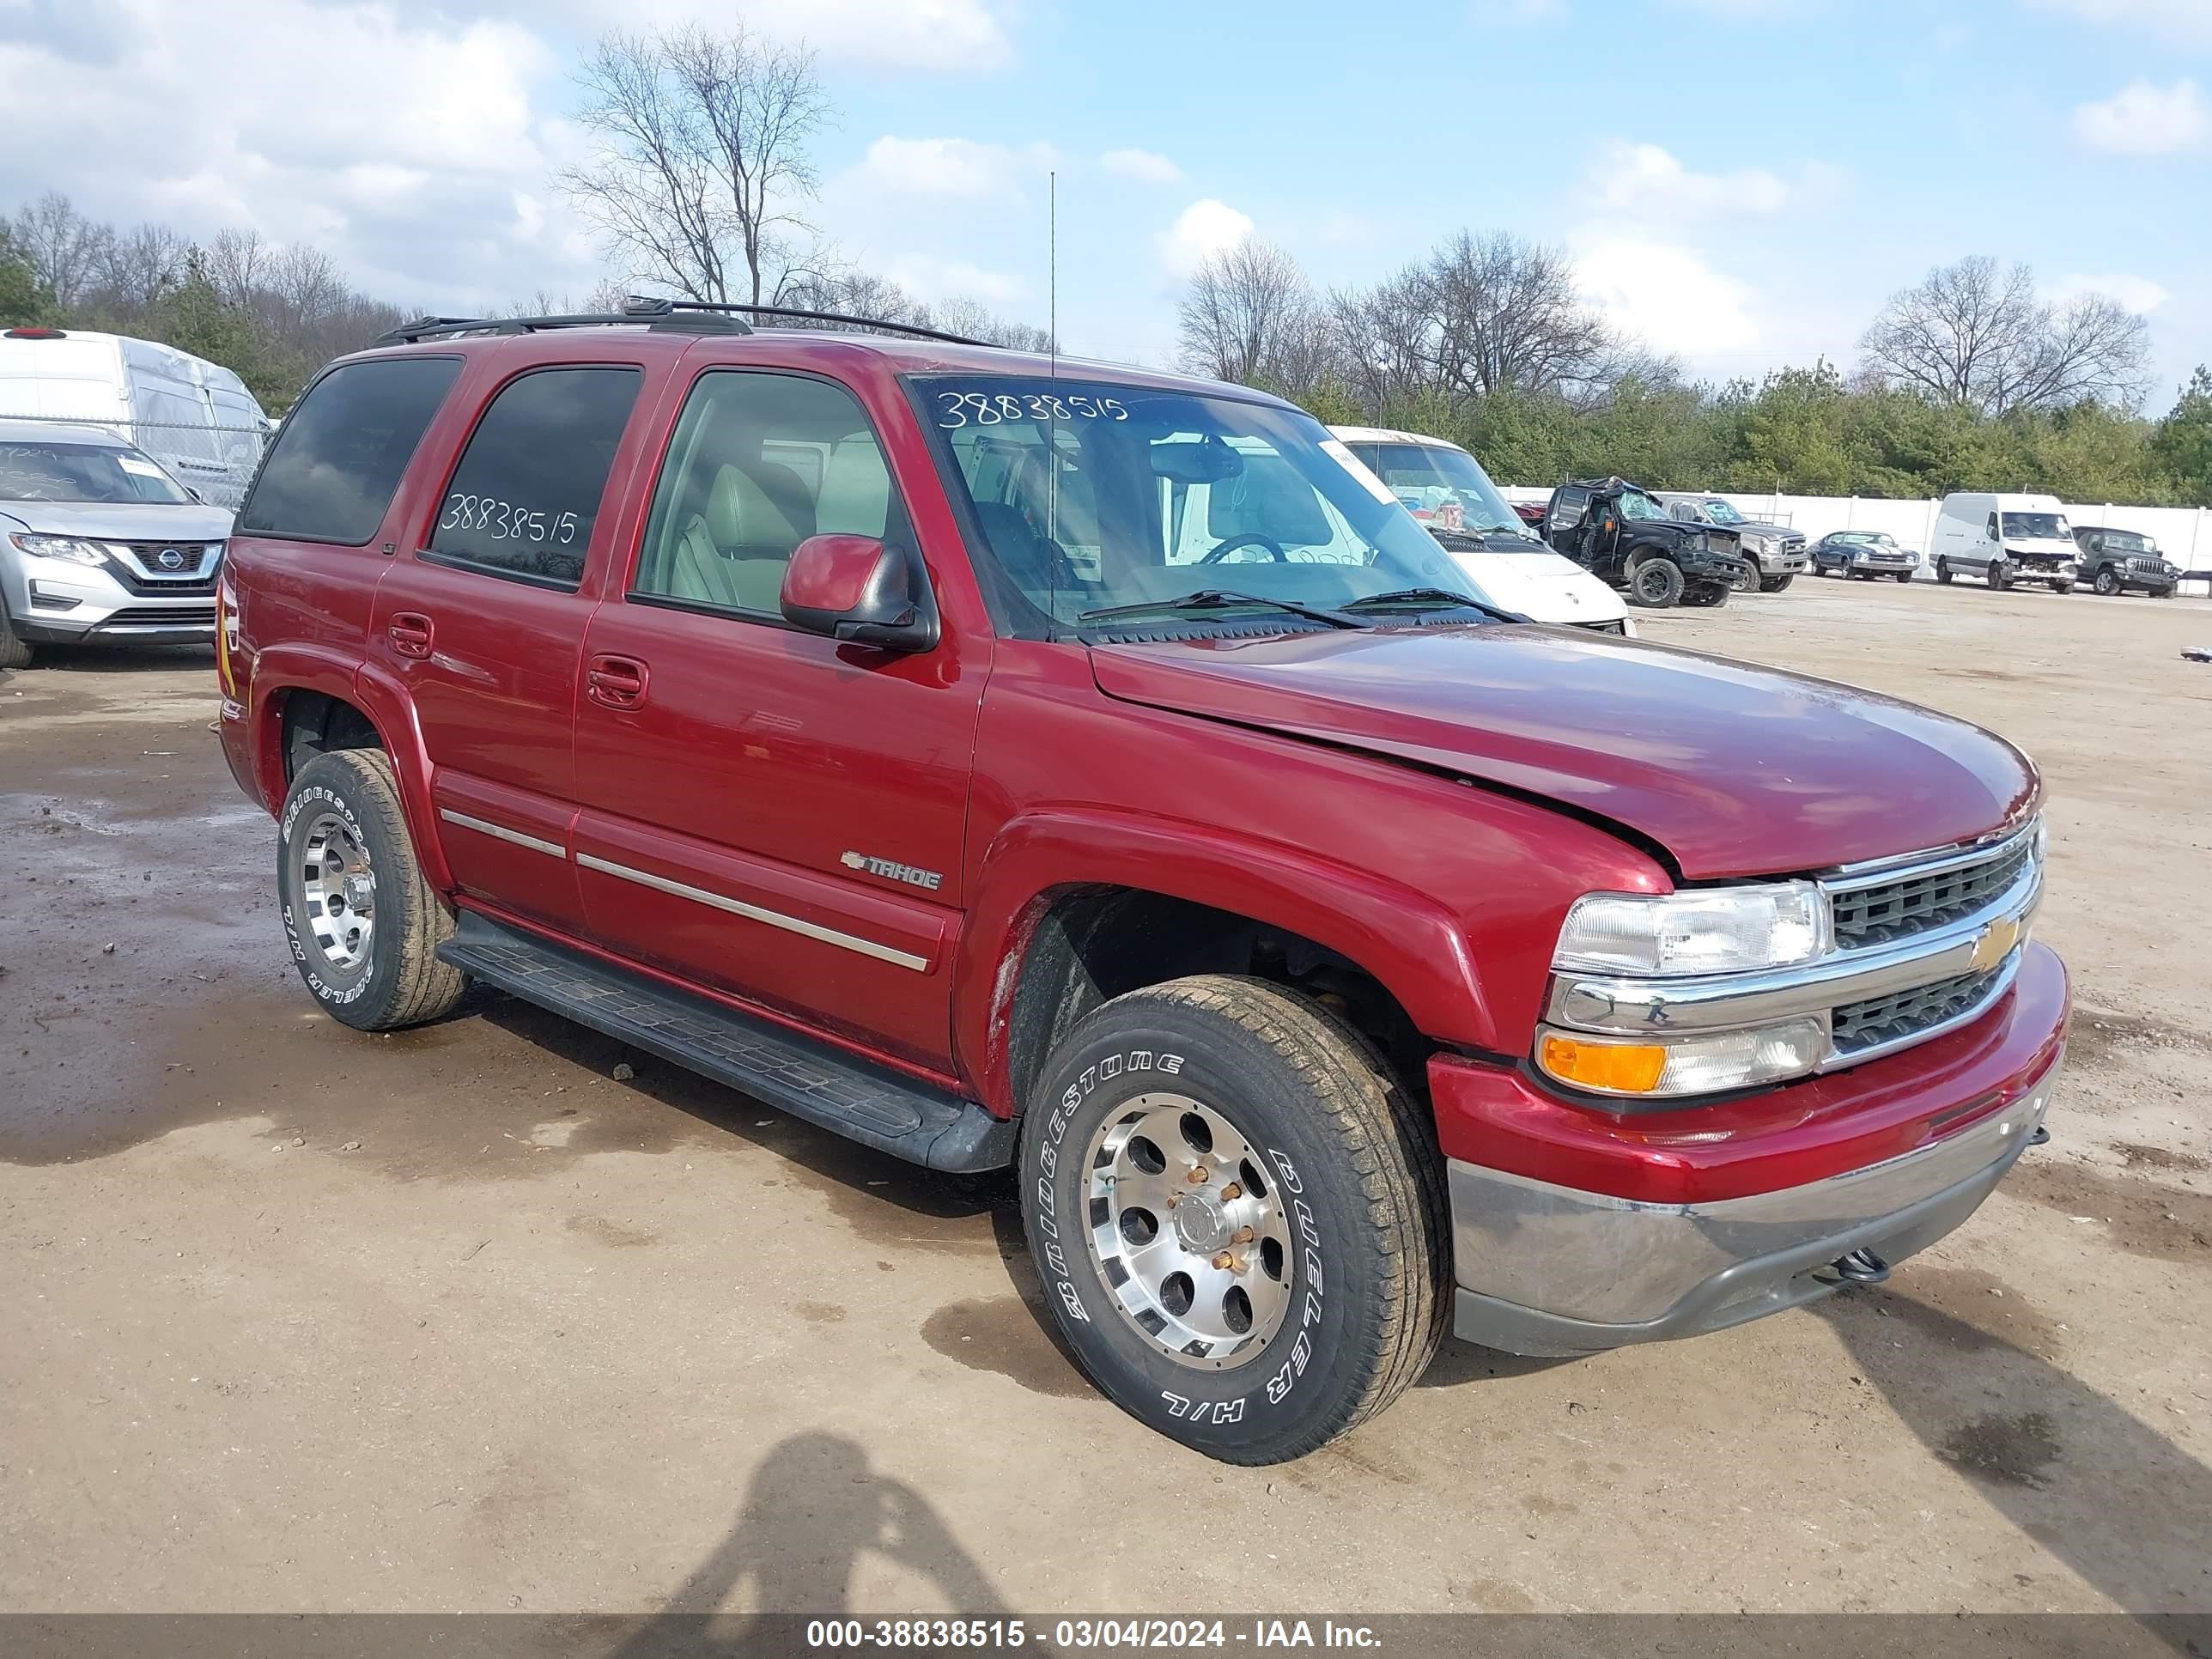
[(364, 924), (1238, 1216)]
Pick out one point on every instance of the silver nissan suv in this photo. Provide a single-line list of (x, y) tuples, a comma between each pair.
[(99, 544)]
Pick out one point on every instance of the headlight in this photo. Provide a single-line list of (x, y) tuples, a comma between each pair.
[(1716, 930), (73, 549), (1698, 1065)]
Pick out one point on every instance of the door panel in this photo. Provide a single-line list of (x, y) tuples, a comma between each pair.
[(776, 815), (485, 626)]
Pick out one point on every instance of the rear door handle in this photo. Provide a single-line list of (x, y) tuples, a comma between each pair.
[(615, 682), (409, 632)]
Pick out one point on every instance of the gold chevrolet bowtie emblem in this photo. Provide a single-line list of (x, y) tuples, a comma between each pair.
[(1995, 944)]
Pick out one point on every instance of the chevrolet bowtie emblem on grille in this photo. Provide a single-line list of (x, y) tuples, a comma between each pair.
[(1995, 944)]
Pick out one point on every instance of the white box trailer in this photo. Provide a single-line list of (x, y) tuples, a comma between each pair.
[(195, 417)]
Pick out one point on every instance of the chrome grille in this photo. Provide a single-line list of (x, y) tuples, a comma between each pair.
[(1884, 911), (1882, 1020)]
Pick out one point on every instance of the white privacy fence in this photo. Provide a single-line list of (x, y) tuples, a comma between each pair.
[(2184, 534)]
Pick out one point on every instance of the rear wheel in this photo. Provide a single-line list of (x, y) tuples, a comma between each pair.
[(15, 649), (1193, 1154), (364, 924), (1943, 572), (1656, 584)]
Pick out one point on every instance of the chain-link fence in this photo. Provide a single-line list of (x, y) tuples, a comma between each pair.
[(216, 461)]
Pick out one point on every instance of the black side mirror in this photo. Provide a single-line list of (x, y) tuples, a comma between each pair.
[(855, 588)]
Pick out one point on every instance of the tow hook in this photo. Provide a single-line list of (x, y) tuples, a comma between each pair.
[(1861, 1266)]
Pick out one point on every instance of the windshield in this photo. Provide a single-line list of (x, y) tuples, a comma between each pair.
[(1446, 488), (2126, 541), (1866, 537), (1091, 494), (2037, 526), (1722, 512), (81, 472)]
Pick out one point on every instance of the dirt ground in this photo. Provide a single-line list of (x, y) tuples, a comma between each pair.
[(293, 1318)]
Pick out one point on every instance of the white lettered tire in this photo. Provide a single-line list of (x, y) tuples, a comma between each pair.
[(1279, 1162), (364, 924)]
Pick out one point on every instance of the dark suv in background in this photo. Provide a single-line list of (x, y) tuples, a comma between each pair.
[(2114, 561), (1624, 534)]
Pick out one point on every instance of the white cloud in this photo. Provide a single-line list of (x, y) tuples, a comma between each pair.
[(938, 166), (1141, 165), (1649, 179), (2136, 293), (904, 34), (2143, 118), (1201, 230), (1514, 13), (1670, 296), (927, 276), (2180, 20)]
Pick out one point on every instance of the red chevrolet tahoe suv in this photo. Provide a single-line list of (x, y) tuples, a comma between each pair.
[(1010, 761)]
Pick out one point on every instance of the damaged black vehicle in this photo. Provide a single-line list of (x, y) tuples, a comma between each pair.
[(1623, 534)]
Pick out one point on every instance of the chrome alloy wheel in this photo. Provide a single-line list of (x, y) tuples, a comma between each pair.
[(338, 888), (1189, 1232)]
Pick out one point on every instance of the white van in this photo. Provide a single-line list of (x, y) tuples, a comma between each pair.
[(1446, 488), (2005, 540), (195, 417)]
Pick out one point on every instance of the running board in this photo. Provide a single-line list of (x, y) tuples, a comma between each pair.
[(824, 1084)]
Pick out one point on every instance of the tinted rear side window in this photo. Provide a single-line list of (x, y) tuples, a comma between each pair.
[(525, 497), (330, 476)]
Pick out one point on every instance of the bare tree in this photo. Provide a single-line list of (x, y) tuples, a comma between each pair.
[(65, 247), (1975, 334), (1510, 316), (977, 321), (701, 160), (1386, 334), (133, 271), (237, 263), (1248, 315)]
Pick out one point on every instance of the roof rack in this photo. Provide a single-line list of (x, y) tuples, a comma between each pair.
[(672, 316)]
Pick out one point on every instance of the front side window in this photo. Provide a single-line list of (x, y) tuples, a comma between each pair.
[(1444, 487), (100, 473), (2037, 526), (1090, 495), (523, 500), (332, 471), (759, 462)]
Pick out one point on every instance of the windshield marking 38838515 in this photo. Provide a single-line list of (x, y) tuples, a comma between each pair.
[(1095, 501)]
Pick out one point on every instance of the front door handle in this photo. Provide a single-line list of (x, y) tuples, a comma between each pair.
[(409, 633), (615, 682)]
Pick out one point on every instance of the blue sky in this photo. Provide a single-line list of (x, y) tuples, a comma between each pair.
[(1741, 181)]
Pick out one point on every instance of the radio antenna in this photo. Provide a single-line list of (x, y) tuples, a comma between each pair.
[(1052, 367)]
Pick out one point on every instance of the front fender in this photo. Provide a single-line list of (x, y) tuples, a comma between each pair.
[(1413, 945)]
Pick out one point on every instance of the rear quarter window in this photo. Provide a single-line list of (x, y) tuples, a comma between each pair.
[(330, 474)]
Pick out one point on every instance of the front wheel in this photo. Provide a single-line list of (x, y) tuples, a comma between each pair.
[(1776, 584), (2000, 576), (2063, 588), (15, 649), (1238, 1216), (1656, 584), (364, 924), (1703, 596)]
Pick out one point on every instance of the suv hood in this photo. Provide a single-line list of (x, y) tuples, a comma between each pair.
[(120, 521), (1734, 770)]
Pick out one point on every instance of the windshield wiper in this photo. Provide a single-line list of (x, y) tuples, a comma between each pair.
[(1211, 599), (1408, 598)]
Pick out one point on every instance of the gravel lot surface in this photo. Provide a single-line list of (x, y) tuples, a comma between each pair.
[(300, 1319)]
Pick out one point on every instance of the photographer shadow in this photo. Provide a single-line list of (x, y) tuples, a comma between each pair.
[(815, 1507)]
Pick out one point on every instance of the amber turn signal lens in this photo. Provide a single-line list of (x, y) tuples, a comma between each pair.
[(1627, 1068)]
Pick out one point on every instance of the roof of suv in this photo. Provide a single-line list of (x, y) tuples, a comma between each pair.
[(59, 432), (822, 347)]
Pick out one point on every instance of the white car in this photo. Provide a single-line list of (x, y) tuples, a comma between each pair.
[(99, 544), (1446, 488)]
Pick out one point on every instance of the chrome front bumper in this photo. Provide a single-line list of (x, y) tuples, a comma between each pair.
[(1550, 1270)]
